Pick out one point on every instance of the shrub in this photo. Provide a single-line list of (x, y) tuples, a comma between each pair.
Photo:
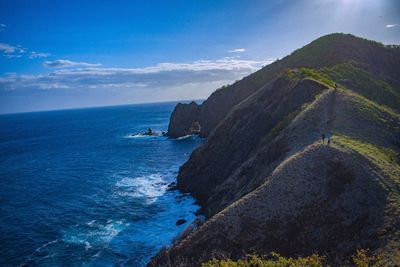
[(276, 261), (359, 259)]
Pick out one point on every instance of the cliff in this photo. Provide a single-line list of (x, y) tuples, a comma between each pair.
[(265, 180)]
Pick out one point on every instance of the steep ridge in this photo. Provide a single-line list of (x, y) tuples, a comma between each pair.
[(327, 51), (304, 130), (267, 183)]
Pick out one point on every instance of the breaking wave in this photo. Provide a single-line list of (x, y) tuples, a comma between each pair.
[(149, 187)]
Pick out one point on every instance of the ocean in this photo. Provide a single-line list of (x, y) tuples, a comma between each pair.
[(81, 188)]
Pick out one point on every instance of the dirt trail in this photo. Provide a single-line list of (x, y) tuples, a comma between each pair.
[(330, 113)]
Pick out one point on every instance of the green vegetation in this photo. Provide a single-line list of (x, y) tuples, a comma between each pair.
[(360, 259), (350, 76), (380, 154), (316, 75), (385, 158), (364, 83), (385, 116), (360, 81), (276, 261), (302, 73)]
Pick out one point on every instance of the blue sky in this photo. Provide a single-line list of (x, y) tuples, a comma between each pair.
[(69, 54)]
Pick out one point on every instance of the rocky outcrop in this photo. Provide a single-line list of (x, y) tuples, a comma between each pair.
[(183, 119), (180, 222)]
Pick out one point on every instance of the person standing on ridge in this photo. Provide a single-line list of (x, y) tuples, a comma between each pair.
[(323, 138), (329, 138)]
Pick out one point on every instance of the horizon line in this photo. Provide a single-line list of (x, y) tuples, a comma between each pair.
[(93, 107)]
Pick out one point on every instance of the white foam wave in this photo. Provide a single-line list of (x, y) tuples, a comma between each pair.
[(93, 233), (136, 136), (184, 137), (87, 246), (38, 250), (141, 135), (47, 244), (150, 187)]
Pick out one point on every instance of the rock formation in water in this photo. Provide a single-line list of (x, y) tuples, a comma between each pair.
[(183, 119)]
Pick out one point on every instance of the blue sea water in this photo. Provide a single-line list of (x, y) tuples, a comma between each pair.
[(77, 189)]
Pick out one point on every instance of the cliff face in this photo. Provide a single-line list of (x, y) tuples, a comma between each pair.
[(183, 119), (267, 183)]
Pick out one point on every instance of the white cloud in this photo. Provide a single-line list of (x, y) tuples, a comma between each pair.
[(12, 55), (164, 76), (34, 54), (2, 27), (391, 25), (237, 50), (11, 51), (8, 49), (63, 63)]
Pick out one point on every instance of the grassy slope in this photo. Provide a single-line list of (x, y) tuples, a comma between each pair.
[(381, 156), (365, 84), (371, 94), (348, 75), (374, 102)]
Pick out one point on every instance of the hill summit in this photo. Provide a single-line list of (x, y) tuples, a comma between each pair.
[(301, 157)]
